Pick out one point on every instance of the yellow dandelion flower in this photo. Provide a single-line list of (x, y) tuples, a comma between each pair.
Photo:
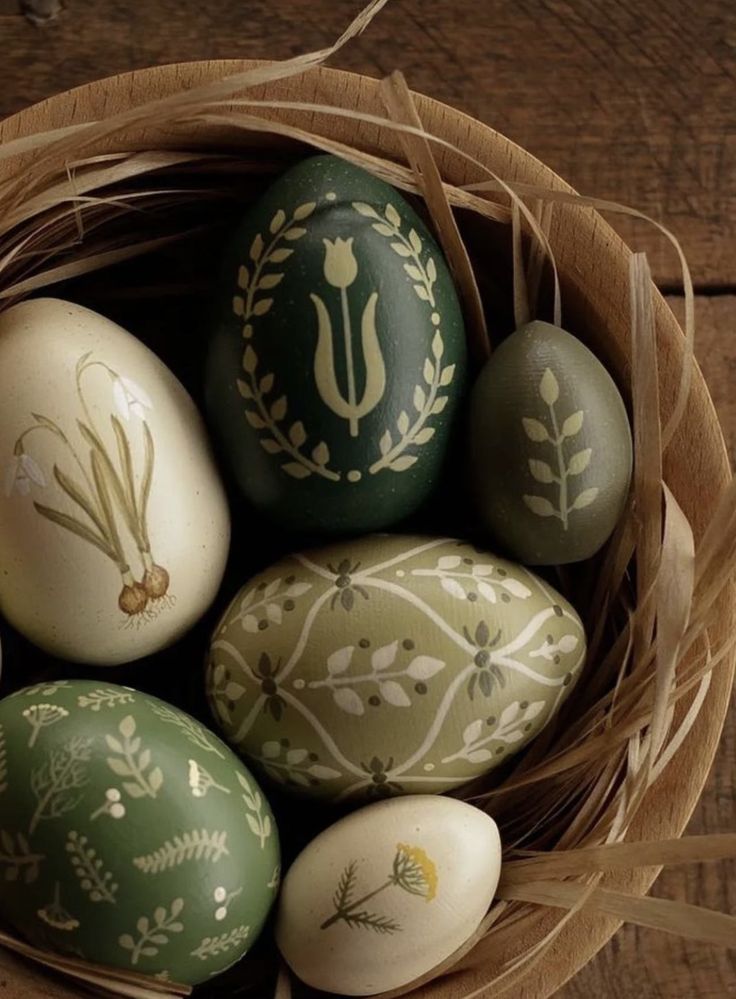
[(415, 871)]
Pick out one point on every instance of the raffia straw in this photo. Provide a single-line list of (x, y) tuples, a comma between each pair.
[(641, 697), (400, 105)]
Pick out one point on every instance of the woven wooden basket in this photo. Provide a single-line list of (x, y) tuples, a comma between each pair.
[(594, 268)]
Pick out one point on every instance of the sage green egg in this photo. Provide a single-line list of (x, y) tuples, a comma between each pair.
[(390, 665), (550, 447), (130, 835), (337, 358)]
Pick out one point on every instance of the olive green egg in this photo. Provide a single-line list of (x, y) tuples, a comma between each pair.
[(390, 665), (130, 835), (550, 447), (337, 356)]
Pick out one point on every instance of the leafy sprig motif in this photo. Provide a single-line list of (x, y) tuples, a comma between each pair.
[(383, 682), (55, 915), (265, 604), (155, 934), (133, 762), (192, 730), (464, 579), (267, 409), (41, 716), (201, 780), (214, 946), (565, 468), (412, 431), (17, 859), (46, 689), (413, 871), (258, 823), (3, 762), (551, 651), (513, 724), (98, 883), (59, 781), (104, 697), (196, 844), (295, 766)]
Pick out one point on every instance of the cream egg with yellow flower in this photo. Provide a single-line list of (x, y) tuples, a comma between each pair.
[(388, 893)]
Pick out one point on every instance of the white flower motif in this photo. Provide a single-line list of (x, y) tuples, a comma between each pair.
[(130, 398), (21, 472)]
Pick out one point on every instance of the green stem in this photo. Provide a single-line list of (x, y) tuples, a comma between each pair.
[(348, 339), (341, 913)]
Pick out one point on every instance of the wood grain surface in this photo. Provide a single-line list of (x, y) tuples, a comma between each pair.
[(632, 101)]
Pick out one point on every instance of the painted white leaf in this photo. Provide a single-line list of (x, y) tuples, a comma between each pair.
[(487, 592), (339, 661), (297, 433), (403, 422), (585, 498), (299, 778), (579, 462), (514, 736), (255, 420), (269, 281), (473, 731), (244, 388), (296, 756), (424, 667), (568, 643), (250, 360), (385, 443), (394, 693), (270, 446), (447, 375), (534, 430), (483, 570), (114, 744), (304, 211), (127, 726), (278, 410), (439, 404), (294, 233), (322, 773), (452, 587), (403, 462), (383, 658), (539, 505), (250, 623), (243, 277), (266, 384), (419, 398), (253, 823), (573, 424), (321, 454), (272, 587), (298, 589), (424, 436), (416, 243), (428, 371), (366, 210), (383, 229), (533, 710), (479, 756), (295, 470), (403, 251), (431, 270), (449, 562), (509, 714), (414, 273), (438, 345), (549, 390), (277, 221), (540, 470), (238, 305), (516, 589), (256, 248), (349, 701), (280, 255), (271, 750), (392, 215), (274, 613)]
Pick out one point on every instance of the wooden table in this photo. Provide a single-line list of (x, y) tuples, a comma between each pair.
[(633, 101)]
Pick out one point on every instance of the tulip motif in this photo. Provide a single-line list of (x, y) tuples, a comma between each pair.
[(340, 271)]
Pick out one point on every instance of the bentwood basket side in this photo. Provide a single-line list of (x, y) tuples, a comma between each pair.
[(593, 263)]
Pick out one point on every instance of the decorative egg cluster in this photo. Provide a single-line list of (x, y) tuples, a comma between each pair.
[(380, 666)]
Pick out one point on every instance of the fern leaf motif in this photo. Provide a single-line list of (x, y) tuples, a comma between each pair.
[(199, 844)]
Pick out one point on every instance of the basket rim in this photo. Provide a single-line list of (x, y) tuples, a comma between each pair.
[(670, 803)]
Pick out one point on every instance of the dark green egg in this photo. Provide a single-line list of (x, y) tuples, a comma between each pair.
[(551, 450), (336, 363)]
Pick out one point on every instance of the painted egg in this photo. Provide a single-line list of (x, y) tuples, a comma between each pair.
[(386, 894), (551, 450), (114, 527), (129, 834), (390, 665), (335, 369)]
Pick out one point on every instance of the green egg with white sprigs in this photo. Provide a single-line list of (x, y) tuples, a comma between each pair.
[(337, 358), (130, 835), (390, 665), (550, 447)]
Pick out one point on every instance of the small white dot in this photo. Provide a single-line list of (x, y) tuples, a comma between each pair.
[(400, 573), (428, 767), (220, 913), (298, 684), (220, 894), (331, 196), (112, 794), (117, 811), (435, 317), (354, 475)]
